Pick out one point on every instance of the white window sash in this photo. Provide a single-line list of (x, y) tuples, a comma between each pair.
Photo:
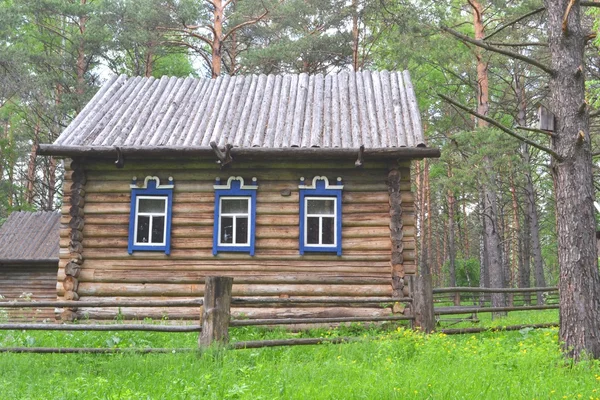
[(320, 216), (151, 215), (235, 216)]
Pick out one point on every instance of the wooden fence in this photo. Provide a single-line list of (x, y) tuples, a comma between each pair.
[(426, 305)]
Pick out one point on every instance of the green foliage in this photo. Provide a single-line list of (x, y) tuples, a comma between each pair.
[(501, 365), (467, 272)]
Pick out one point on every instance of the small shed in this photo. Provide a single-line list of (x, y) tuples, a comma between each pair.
[(29, 260), (295, 185)]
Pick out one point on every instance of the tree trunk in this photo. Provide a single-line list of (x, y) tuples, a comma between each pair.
[(81, 64), (355, 32), (465, 229), (534, 228), (525, 236), (31, 165), (217, 44), (484, 276), (451, 241), (490, 201), (579, 284)]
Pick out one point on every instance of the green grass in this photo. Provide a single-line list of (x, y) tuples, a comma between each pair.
[(387, 363)]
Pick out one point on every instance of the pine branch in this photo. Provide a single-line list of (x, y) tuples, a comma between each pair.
[(524, 44), (483, 45), (525, 128), (529, 14), (502, 127), (246, 23), (514, 21)]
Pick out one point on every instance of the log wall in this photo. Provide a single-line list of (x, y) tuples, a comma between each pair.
[(276, 270), (28, 282)]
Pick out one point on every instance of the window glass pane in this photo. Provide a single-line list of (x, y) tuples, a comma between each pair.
[(312, 230), (234, 206), (158, 229), (320, 206), (328, 225), (152, 206), (241, 230), (143, 229), (226, 229)]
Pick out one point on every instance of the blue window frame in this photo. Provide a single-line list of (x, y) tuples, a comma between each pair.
[(235, 216), (321, 216), (150, 215)]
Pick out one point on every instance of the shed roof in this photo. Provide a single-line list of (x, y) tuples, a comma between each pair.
[(343, 110), (30, 236)]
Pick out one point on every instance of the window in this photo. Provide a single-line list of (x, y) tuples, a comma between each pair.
[(321, 216), (150, 215), (235, 216)]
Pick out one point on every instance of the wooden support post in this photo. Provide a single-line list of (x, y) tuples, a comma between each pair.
[(457, 299), (422, 292), (216, 311)]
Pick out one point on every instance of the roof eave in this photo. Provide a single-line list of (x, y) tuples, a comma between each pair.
[(25, 262), (239, 152)]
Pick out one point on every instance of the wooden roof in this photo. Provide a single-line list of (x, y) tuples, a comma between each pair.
[(343, 111), (30, 236)]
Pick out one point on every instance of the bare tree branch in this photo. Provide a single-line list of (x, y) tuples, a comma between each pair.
[(512, 54), (502, 127)]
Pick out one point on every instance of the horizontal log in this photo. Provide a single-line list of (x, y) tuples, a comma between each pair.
[(330, 265), (259, 344), (375, 244), (196, 302), (461, 331), (237, 301), (264, 197), (203, 255), (295, 321), (470, 310), (494, 290), (146, 276), (238, 312), (174, 290), (207, 186), (93, 350), (101, 328), (91, 231)]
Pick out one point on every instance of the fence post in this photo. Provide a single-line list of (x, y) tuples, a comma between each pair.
[(423, 303), (216, 311), (457, 299)]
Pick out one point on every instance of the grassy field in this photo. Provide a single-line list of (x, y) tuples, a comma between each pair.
[(386, 363)]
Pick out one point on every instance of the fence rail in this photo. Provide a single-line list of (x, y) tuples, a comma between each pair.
[(216, 320)]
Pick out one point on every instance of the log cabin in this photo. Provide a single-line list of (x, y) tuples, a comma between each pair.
[(295, 185), (29, 262)]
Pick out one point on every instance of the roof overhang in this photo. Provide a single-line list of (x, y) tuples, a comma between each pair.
[(239, 152), (51, 262)]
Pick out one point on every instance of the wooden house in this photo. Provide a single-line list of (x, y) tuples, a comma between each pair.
[(295, 185), (29, 261)]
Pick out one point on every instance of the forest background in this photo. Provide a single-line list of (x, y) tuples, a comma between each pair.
[(55, 54)]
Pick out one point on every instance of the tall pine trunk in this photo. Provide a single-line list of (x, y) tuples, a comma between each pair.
[(217, 44), (579, 284), (490, 201), (451, 236)]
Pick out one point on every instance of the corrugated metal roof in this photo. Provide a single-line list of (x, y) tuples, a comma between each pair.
[(30, 236), (344, 110)]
